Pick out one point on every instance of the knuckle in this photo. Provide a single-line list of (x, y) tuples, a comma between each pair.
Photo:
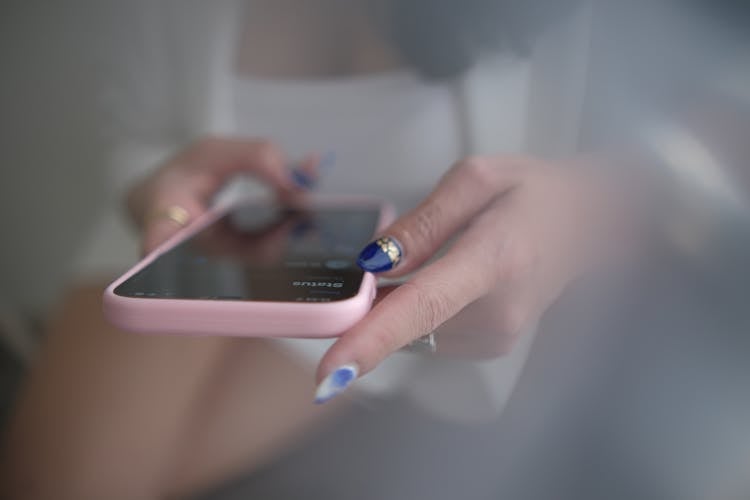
[(426, 226), (433, 307), (514, 265), (266, 151), (509, 273), (486, 268), (510, 322), (482, 283), (476, 279), (479, 169)]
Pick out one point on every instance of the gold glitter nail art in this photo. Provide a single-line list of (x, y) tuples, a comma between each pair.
[(390, 248)]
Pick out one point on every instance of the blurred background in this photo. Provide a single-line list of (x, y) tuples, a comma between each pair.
[(658, 409)]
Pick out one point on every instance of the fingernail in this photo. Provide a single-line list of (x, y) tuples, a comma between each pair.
[(381, 255), (302, 179), (335, 383)]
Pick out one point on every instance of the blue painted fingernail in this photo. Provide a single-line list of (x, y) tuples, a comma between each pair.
[(302, 179), (381, 255), (335, 383)]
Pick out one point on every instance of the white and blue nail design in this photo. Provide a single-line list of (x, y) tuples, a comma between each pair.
[(335, 383), (302, 179), (305, 180)]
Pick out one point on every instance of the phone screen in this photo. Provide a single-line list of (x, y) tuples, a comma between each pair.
[(264, 253)]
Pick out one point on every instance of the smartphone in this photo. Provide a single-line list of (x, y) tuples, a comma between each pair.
[(255, 269)]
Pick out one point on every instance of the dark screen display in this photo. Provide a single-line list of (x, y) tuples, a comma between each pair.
[(259, 252)]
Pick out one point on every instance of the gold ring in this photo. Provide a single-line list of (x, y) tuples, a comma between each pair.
[(174, 213)]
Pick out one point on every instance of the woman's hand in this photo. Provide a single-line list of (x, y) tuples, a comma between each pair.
[(182, 189), (521, 230)]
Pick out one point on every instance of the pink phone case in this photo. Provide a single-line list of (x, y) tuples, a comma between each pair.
[(237, 317)]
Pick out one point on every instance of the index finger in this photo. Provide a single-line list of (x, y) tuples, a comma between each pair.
[(466, 189), (433, 295)]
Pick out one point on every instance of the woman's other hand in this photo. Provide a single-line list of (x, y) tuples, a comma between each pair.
[(521, 230), (182, 189)]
